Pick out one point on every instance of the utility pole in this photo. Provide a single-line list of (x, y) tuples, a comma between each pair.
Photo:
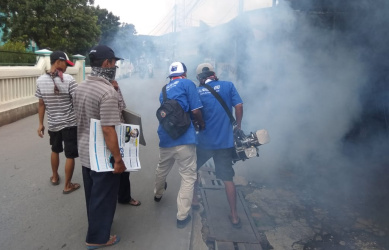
[(174, 31), (175, 19), (241, 4)]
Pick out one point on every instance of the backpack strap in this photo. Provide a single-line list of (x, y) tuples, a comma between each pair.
[(164, 95), (222, 102)]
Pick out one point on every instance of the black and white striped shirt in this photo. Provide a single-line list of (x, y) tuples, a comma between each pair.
[(59, 107)]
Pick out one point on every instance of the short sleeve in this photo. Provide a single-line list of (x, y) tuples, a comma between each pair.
[(72, 86), (235, 97), (194, 98), (38, 91), (109, 109)]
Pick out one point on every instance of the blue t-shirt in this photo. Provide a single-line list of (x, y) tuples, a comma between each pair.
[(218, 132), (184, 91)]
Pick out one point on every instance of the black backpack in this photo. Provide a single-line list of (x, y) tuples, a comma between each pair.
[(174, 120)]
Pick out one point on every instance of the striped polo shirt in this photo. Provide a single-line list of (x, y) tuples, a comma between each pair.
[(59, 107), (94, 98)]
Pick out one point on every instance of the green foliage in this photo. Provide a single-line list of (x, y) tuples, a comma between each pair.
[(73, 26), (68, 25), (14, 46), (108, 23), (14, 53)]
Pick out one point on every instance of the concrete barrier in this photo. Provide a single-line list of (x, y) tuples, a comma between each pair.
[(18, 85)]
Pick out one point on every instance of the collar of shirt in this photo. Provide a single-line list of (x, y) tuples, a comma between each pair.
[(100, 79)]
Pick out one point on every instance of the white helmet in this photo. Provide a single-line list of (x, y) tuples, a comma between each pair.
[(177, 69)]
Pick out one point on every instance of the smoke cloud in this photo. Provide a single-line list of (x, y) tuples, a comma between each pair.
[(316, 81), (315, 76)]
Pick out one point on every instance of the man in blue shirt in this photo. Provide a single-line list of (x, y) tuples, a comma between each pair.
[(216, 140), (181, 150)]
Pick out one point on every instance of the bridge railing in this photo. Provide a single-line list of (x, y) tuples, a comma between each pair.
[(18, 85)]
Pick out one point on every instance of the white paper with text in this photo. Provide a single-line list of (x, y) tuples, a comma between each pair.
[(128, 138)]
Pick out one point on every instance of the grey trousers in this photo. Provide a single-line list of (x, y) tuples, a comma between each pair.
[(185, 157)]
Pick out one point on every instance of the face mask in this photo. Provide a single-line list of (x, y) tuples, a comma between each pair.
[(56, 73), (106, 73)]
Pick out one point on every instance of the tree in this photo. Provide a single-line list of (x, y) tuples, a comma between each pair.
[(108, 23), (14, 53), (69, 25)]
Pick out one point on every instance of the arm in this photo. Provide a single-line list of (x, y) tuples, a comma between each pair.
[(41, 112), (239, 115), (111, 140), (198, 119)]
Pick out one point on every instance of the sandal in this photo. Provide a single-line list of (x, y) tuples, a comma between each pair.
[(74, 187), (113, 239), (235, 225), (134, 203)]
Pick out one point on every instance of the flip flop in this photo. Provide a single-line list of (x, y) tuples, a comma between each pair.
[(75, 186), (137, 203), (90, 247), (54, 183), (235, 225)]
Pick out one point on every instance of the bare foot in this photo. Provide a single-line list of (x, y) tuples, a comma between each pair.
[(54, 180)]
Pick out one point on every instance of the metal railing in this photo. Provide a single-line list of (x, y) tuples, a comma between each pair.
[(13, 58)]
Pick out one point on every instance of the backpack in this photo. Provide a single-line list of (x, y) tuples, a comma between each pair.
[(174, 120)]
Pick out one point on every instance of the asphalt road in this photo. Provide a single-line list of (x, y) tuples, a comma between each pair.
[(36, 215)]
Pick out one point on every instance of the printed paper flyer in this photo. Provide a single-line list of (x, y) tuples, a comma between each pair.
[(101, 159)]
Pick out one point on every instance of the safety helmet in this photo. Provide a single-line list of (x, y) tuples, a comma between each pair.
[(177, 69)]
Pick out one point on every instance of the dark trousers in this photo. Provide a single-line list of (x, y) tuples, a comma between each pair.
[(124, 194), (101, 191)]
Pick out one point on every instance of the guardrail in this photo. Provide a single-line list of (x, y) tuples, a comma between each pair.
[(18, 84)]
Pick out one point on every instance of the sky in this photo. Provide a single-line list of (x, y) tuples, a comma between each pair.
[(154, 17)]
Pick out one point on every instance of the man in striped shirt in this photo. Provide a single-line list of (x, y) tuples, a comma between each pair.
[(96, 98), (54, 90)]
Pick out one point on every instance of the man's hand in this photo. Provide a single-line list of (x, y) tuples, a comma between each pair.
[(199, 126), (119, 167), (198, 120), (115, 84), (41, 131), (111, 140)]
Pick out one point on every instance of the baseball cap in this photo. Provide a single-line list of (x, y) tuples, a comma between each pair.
[(177, 69), (204, 67), (59, 55), (103, 52)]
